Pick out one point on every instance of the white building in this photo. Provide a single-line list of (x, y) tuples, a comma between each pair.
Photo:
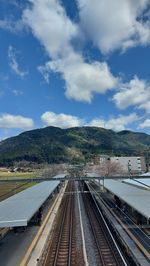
[(132, 164)]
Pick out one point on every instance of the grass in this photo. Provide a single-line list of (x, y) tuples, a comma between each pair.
[(11, 175)]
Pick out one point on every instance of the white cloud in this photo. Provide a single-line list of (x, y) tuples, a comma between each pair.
[(115, 24), (60, 120), (56, 31), (17, 92), (11, 26), (15, 121), (134, 93), (45, 72), (145, 106), (14, 64), (118, 123), (145, 124), (50, 24), (65, 121), (83, 79)]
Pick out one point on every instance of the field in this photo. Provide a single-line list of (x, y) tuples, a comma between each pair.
[(9, 189), (13, 175)]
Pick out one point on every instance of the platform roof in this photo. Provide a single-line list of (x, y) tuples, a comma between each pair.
[(146, 174), (59, 176), (140, 182), (137, 198), (20, 208)]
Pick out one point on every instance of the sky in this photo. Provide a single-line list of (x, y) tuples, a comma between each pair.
[(74, 63)]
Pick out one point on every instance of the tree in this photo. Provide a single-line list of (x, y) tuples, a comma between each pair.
[(75, 171), (51, 170), (108, 168)]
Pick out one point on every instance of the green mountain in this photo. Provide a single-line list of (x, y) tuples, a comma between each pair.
[(55, 145)]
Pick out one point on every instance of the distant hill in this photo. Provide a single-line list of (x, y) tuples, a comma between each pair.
[(55, 145)]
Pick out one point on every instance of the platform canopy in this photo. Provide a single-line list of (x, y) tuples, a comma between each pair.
[(139, 182), (146, 174), (20, 208), (137, 198)]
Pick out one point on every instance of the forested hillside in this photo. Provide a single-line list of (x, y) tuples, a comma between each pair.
[(55, 145)]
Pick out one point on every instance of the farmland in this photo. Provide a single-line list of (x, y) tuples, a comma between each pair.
[(13, 175), (9, 189)]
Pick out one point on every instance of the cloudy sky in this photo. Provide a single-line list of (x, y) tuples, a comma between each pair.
[(74, 63)]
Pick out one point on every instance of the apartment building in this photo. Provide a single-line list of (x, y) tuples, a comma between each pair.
[(130, 164)]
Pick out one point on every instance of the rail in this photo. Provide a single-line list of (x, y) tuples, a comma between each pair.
[(141, 239), (107, 250), (62, 249)]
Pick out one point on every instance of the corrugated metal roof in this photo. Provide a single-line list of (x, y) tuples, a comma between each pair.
[(146, 174), (137, 198), (19, 209), (140, 182)]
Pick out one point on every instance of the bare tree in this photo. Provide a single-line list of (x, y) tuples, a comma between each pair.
[(52, 170), (76, 171), (108, 168)]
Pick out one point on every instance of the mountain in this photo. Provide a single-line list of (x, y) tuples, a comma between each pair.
[(56, 145)]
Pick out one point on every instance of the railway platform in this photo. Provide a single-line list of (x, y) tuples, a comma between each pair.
[(132, 245)]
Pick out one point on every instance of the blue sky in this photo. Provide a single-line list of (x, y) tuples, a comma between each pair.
[(74, 63)]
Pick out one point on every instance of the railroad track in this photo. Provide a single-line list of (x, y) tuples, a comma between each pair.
[(139, 236), (62, 251), (107, 251)]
